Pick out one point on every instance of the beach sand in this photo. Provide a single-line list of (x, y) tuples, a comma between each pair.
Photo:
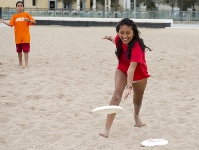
[(71, 71)]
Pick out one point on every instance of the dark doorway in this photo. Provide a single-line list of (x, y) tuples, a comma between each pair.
[(52, 5), (33, 2), (0, 12), (23, 3)]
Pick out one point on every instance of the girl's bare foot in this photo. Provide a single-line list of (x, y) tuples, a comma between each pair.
[(138, 122), (105, 133)]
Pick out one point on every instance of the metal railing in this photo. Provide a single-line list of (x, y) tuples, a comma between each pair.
[(182, 16)]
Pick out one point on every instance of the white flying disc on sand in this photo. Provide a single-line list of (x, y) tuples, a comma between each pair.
[(107, 109), (154, 142)]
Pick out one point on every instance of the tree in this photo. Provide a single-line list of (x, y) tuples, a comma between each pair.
[(67, 3), (190, 3), (150, 4), (171, 3), (114, 3), (182, 4)]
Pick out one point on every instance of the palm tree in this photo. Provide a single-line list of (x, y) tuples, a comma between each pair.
[(67, 3), (171, 3)]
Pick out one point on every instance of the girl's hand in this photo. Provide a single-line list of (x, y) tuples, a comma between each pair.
[(110, 38), (127, 92)]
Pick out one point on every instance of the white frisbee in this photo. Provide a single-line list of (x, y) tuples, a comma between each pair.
[(107, 109), (154, 142)]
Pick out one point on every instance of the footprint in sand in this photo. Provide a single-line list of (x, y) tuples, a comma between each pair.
[(4, 119), (2, 76), (10, 104)]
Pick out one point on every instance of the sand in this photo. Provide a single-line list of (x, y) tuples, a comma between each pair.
[(71, 72)]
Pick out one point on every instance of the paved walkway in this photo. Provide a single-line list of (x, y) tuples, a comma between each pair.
[(172, 25), (184, 26), (3, 25)]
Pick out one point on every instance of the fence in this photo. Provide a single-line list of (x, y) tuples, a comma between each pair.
[(182, 16)]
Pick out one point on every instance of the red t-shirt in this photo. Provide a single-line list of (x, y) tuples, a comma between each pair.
[(137, 55)]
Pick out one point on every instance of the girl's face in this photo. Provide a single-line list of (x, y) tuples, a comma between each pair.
[(126, 33), (20, 7)]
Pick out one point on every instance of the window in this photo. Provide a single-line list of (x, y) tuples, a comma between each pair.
[(33, 2)]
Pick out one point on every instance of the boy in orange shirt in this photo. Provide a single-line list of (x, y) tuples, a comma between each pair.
[(21, 20)]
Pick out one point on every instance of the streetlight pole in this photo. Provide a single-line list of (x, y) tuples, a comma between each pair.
[(134, 9)]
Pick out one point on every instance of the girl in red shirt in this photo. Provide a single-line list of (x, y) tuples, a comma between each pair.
[(131, 73)]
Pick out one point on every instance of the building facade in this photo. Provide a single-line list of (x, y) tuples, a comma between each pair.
[(33, 3), (50, 4), (79, 5)]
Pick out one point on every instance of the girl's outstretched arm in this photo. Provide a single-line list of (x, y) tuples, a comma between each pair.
[(130, 75), (110, 38)]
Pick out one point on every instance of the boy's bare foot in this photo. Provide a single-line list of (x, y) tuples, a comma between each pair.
[(19, 66), (105, 133), (138, 122), (25, 67)]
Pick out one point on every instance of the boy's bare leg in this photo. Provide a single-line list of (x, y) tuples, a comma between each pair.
[(138, 89), (20, 58), (120, 83), (26, 59)]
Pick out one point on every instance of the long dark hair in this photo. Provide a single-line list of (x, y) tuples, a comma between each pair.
[(130, 23)]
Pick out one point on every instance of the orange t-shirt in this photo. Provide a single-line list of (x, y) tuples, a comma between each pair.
[(21, 30)]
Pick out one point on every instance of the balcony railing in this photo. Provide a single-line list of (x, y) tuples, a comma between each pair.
[(182, 16)]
